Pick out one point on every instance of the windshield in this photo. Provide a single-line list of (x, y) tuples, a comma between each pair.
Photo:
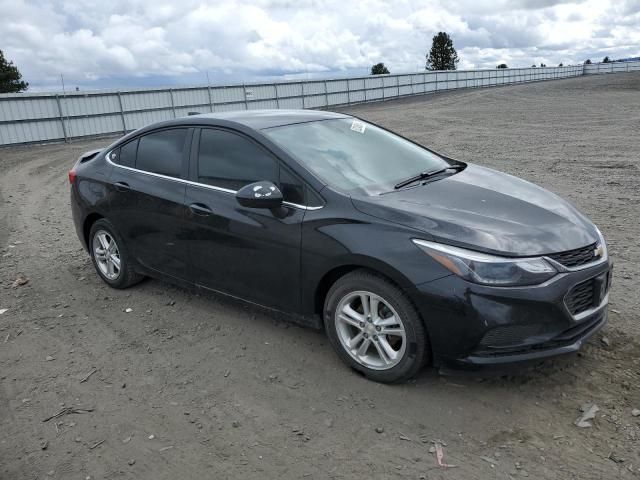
[(354, 156)]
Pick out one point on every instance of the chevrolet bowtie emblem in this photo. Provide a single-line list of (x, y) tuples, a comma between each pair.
[(599, 251)]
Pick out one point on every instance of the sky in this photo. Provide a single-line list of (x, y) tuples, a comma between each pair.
[(137, 43)]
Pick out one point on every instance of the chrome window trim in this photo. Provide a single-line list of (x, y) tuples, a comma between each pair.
[(197, 184)]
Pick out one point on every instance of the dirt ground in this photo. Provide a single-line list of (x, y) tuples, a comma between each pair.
[(186, 386)]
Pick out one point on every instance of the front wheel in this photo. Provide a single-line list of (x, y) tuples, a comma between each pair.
[(375, 328), (110, 256)]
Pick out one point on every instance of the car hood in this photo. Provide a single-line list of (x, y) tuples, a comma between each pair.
[(486, 210)]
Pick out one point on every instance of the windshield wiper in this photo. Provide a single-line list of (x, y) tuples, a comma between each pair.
[(425, 175)]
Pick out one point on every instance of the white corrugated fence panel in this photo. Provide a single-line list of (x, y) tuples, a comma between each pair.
[(190, 97), (263, 105), (34, 131), (313, 88), (341, 98), (22, 108), (334, 86), (132, 101), (289, 90)]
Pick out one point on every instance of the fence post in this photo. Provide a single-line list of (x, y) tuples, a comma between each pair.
[(302, 88), (124, 124), (244, 92), (275, 85), (397, 86), (64, 127), (173, 106), (348, 93), (210, 98), (326, 95)]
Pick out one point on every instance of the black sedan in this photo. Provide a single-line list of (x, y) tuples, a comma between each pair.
[(402, 255)]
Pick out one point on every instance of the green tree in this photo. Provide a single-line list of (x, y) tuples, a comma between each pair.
[(533, 66), (606, 60), (10, 77), (442, 55), (543, 64), (379, 69), (587, 61), (560, 64), (502, 65)]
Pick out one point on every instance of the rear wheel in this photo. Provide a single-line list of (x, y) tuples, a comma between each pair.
[(375, 328), (110, 256)]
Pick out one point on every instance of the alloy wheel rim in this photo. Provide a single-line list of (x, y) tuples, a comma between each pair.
[(370, 330), (106, 254)]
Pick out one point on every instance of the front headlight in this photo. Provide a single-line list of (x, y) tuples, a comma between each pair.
[(601, 244), (488, 269)]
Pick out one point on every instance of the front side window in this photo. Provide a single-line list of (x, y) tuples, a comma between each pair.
[(354, 156), (292, 188), (162, 152), (231, 161)]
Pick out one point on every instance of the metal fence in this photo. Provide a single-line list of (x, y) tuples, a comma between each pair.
[(43, 117)]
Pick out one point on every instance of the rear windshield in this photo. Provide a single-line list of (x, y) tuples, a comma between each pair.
[(354, 156)]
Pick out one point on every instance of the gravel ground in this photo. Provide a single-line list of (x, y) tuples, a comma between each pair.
[(191, 386)]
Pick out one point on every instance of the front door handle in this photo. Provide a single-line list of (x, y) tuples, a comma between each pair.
[(122, 186), (200, 209)]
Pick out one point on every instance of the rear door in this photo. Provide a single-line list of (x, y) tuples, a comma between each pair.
[(147, 198), (250, 253)]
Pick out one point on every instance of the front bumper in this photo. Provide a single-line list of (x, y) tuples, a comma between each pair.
[(471, 324)]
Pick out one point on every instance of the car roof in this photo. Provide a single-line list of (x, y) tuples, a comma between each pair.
[(260, 119)]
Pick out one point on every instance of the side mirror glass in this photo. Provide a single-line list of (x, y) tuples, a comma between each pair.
[(259, 195)]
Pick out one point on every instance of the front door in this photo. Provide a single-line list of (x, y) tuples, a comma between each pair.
[(250, 253)]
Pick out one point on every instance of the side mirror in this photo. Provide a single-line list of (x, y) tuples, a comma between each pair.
[(259, 195)]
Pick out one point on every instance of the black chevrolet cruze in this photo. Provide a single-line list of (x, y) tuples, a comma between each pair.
[(402, 255)]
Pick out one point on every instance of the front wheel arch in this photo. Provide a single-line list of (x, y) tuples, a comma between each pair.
[(372, 265)]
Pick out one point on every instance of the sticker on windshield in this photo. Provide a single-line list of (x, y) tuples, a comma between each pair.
[(358, 126)]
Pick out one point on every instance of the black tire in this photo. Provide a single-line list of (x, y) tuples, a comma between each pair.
[(417, 351), (127, 276)]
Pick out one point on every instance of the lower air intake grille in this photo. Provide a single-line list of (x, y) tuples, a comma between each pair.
[(509, 335), (581, 297)]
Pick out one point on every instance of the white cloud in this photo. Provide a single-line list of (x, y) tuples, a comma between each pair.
[(123, 39)]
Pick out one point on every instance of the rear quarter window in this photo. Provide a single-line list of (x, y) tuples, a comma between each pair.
[(127, 154)]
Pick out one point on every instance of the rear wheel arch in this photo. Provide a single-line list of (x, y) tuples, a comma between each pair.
[(86, 226)]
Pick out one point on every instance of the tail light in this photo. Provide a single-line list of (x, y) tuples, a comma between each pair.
[(72, 176)]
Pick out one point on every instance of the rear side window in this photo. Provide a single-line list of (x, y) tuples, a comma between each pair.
[(162, 152), (228, 160)]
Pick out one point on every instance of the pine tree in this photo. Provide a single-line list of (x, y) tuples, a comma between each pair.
[(10, 77), (442, 55)]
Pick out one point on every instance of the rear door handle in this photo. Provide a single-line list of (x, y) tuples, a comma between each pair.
[(200, 209), (122, 186)]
